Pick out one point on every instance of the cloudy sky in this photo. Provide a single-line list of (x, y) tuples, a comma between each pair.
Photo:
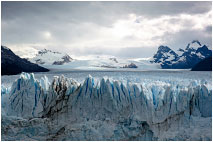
[(124, 29)]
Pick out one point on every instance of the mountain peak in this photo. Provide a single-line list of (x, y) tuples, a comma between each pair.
[(44, 51), (163, 48), (196, 41), (195, 44), (4, 47), (164, 53), (194, 53), (49, 57)]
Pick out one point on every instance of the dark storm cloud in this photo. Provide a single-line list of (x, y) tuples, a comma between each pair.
[(79, 26), (101, 12)]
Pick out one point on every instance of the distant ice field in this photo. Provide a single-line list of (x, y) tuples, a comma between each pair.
[(182, 77)]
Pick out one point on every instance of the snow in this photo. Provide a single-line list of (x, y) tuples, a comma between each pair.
[(194, 50), (194, 45), (141, 59), (171, 57), (179, 53), (200, 55), (106, 109), (25, 52), (106, 63), (182, 58), (47, 57)]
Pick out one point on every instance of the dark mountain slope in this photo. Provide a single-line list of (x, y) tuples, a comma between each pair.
[(204, 65), (12, 64)]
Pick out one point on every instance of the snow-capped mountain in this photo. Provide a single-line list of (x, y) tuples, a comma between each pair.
[(105, 62), (165, 55), (48, 57), (186, 58), (12, 64)]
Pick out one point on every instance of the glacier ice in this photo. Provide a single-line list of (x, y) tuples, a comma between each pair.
[(107, 110), (26, 97), (4, 90)]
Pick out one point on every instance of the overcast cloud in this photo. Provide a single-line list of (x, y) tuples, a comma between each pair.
[(124, 29)]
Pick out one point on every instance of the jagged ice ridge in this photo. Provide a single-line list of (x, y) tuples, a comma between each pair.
[(143, 111)]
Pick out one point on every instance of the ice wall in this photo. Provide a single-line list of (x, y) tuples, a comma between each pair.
[(153, 102), (26, 97), (155, 107)]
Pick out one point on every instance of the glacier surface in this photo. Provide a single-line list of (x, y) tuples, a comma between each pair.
[(105, 109)]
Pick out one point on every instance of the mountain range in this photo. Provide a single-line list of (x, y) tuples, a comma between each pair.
[(186, 59), (51, 59), (164, 58)]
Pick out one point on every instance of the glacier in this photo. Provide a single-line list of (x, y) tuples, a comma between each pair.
[(105, 109)]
